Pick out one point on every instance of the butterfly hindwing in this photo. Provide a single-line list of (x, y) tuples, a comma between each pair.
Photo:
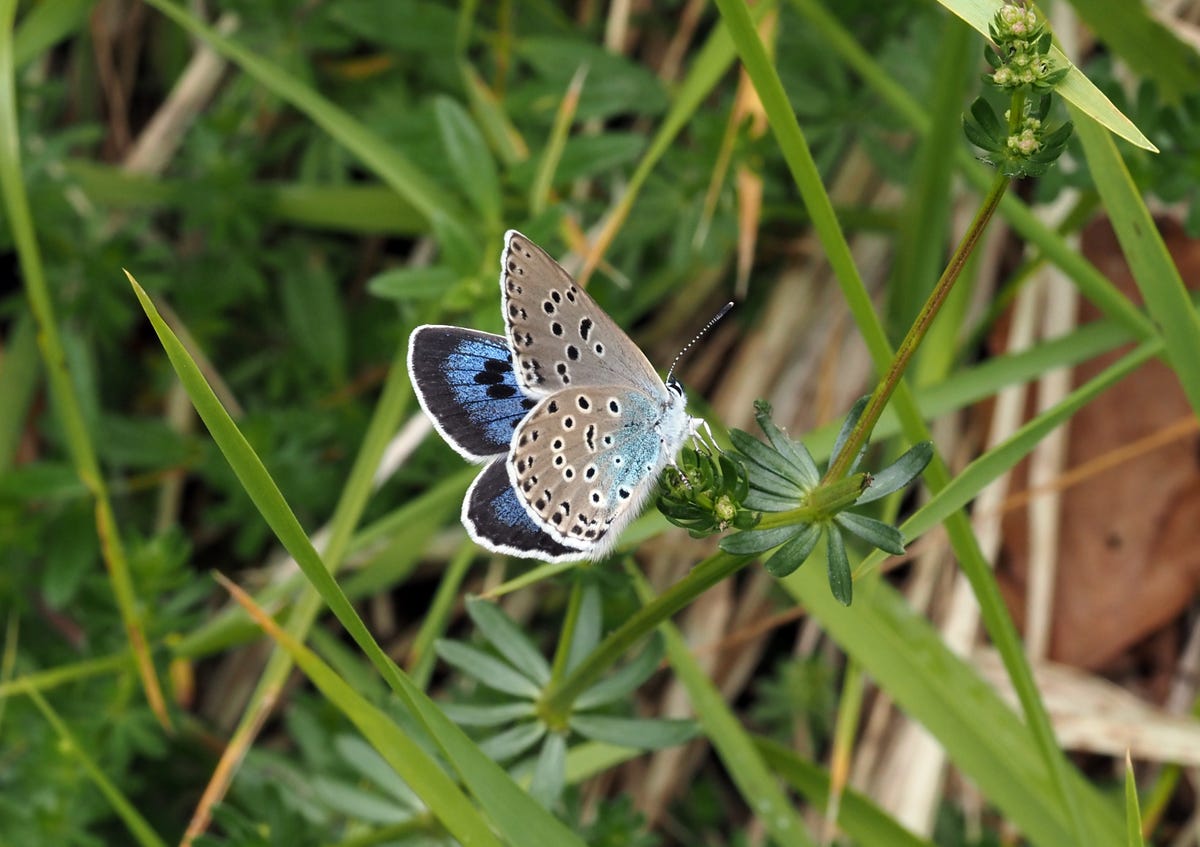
[(586, 458), (495, 519), (465, 382)]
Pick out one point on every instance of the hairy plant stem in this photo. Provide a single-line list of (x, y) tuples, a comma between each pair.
[(916, 333)]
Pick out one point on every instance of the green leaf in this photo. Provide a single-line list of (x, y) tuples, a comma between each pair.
[(625, 680), (508, 639), (765, 501), (899, 473), (759, 540), (497, 714), (549, 774), (1153, 268), (985, 118), (641, 733), (793, 554), (413, 284), (775, 474), (487, 671), (876, 533), (841, 583), (470, 159), (361, 756), (1133, 814), (847, 426), (312, 308), (793, 451), (514, 741)]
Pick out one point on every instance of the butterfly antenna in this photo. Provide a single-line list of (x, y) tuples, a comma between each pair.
[(713, 322)]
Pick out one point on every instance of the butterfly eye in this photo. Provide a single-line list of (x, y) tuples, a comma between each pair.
[(675, 385)]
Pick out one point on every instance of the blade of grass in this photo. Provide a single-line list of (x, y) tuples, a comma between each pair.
[(980, 733), (755, 782), (514, 812), (19, 373), (46, 24), (141, 831), (422, 773), (67, 405), (63, 674), (1133, 815), (384, 421), (1153, 269)]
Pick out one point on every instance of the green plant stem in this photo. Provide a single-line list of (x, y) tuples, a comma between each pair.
[(904, 353), (567, 635), (559, 695)]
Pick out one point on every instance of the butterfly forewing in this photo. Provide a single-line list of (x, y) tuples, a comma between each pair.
[(586, 458), (559, 336)]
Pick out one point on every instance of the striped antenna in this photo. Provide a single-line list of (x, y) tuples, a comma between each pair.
[(713, 322)]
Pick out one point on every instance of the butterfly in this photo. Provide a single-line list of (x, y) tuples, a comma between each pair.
[(569, 418)]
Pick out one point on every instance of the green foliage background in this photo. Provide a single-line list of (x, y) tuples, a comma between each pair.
[(351, 177)]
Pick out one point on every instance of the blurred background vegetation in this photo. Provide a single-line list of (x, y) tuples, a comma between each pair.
[(335, 173)]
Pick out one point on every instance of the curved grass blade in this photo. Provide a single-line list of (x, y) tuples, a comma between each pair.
[(422, 774)]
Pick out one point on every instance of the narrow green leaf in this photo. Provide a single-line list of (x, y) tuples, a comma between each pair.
[(625, 680), (491, 715), (45, 24), (509, 640), (514, 741), (841, 583), (470, 159), (793, 451), (550, 772), (589, 625), (776, 474), (642, 733), (763, 501), (758, 540), (486, 670), (899, 473), (793, 554), (876, 533), (363, 759), (413, 284), (1133, 813), (847, 426), (1153, 269)]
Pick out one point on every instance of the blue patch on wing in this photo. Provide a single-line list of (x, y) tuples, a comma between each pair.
[(465, 382), (497, 520)]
